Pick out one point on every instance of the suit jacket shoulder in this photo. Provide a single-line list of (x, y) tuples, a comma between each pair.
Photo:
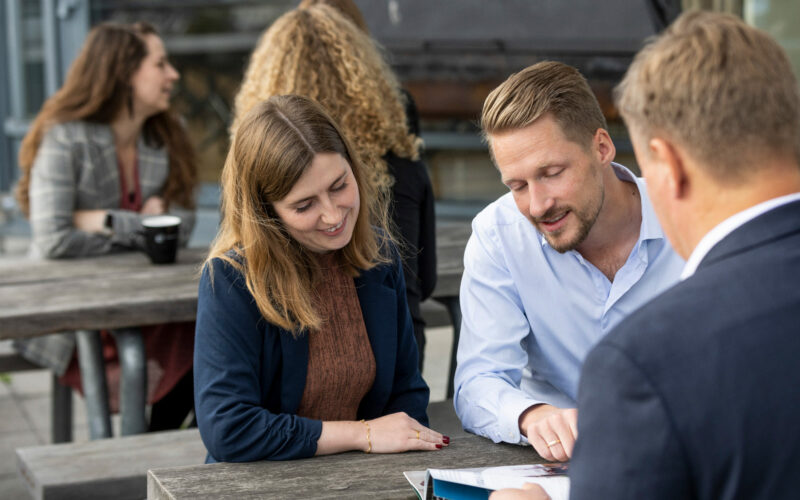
[(717, 357)]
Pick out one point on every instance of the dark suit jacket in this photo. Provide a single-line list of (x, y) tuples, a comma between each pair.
[(697, 394), (250, 375)]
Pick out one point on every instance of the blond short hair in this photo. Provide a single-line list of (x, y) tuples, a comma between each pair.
[(547, 87), (723, 90)]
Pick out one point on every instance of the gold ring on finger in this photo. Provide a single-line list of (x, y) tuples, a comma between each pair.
[(417, 434), (552, 443)]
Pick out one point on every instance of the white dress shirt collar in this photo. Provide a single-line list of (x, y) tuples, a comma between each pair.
[(728, 226)]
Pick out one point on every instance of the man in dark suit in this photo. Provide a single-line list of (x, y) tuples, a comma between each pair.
[(697, 394)]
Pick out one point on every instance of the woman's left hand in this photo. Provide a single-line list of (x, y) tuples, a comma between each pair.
[(393, 433), (399, 432)]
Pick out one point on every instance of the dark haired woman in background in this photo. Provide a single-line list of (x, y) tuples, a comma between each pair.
[(103, 152)]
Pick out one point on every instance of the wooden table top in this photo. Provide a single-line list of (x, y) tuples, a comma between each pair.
[(110, 291), (125, 289), (347, 475)]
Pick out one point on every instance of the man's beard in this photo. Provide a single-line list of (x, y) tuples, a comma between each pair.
[(585, 219)]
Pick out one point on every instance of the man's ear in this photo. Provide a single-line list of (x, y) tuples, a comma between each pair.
[(672, 164), (604, 146)]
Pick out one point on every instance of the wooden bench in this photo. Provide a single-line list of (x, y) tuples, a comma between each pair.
[(117, 468), (105, 468)]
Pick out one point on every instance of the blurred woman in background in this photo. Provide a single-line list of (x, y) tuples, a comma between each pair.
[(103, 152), (316, 51)]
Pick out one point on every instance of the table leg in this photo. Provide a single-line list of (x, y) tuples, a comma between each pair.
[(133, 380), (61, 419), (454, 310), (93, 379)]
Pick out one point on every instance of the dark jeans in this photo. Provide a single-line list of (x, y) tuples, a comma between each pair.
[(170, 411)]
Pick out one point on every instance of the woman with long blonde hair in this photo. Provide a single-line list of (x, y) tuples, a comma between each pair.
[(319, 52), (304, 342), (103, 152)]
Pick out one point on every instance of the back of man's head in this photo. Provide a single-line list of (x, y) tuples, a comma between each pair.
[(547, 87), (722, 90)]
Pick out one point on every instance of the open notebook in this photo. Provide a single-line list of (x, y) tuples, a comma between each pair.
[(478, 483)]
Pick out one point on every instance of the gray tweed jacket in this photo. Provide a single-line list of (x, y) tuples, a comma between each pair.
[(76, 169)]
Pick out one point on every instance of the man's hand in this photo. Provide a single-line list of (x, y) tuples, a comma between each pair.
[(551, 431), (529, 491)]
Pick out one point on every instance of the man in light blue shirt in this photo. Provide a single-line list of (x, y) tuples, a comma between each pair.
[(552, 266)]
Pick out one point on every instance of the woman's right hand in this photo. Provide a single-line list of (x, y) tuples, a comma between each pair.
[(154, 205), (398, 432)]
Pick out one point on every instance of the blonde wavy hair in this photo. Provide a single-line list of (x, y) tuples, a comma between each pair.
[(316, 52), (347, 8), (274, 145)]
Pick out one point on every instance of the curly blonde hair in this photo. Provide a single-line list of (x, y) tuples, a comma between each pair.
[(316, 52)]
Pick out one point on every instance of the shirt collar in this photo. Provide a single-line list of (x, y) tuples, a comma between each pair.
[(728, 226), (650, 228)]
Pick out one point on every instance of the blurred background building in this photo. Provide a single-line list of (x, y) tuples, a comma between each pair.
[(448, 53)]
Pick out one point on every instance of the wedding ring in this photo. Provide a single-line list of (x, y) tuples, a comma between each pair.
[(552, 443), (417, 434)]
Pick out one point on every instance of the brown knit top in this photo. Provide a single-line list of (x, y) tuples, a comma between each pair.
[(341, 365)]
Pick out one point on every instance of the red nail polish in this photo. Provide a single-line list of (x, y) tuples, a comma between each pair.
[(446, 439), (438, 447)]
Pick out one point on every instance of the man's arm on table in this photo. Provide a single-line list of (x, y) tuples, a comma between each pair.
[(491, 359), (627, 447), (550, 430)]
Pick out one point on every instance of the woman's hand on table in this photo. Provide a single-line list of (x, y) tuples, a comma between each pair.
[(388, 434), (398, 432), (529, 491), (94, 221)]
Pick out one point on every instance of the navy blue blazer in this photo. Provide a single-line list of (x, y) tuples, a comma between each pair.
[(697, 394), (249, 375)]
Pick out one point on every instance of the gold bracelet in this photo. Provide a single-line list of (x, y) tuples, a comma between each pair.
[(369, 449)]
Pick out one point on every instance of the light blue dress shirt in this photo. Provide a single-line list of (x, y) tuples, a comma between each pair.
[(531, 314)]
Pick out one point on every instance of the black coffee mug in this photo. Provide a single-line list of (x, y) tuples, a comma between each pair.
[(161, 238)]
